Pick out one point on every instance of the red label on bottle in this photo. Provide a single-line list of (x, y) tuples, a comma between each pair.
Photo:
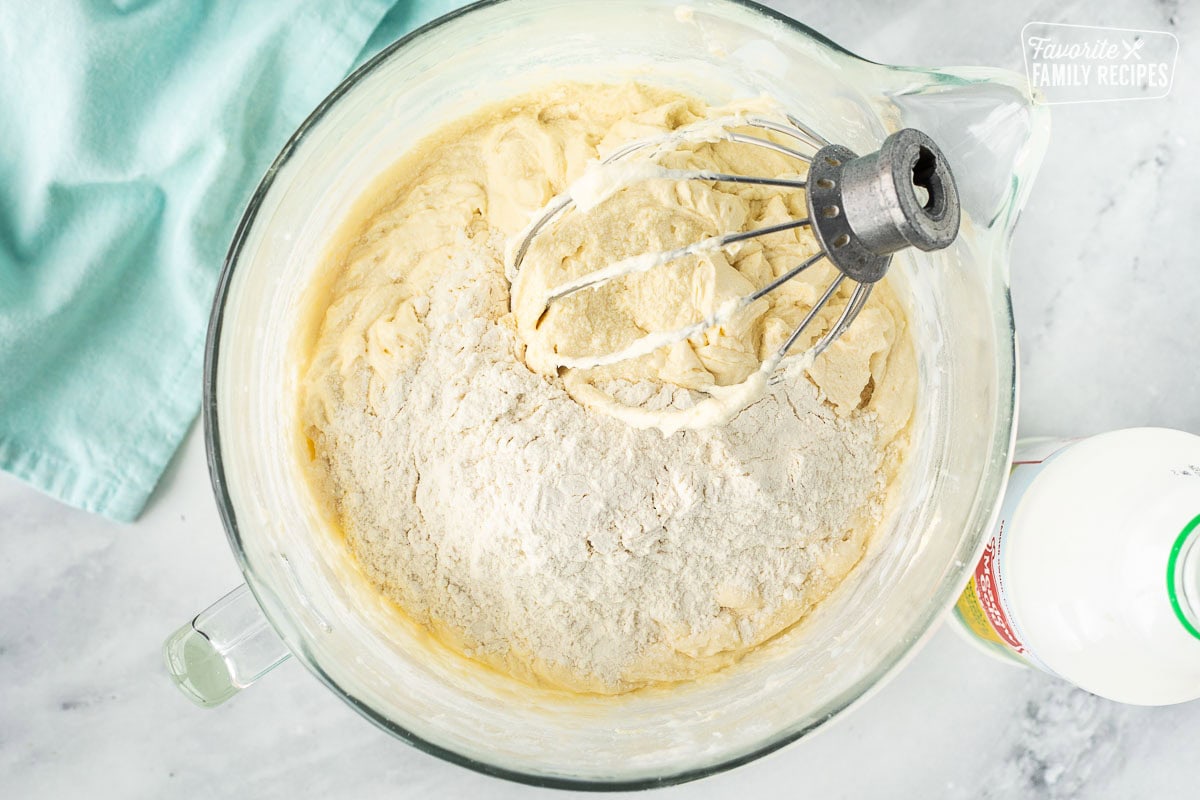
[(986, 582), (984, 608)]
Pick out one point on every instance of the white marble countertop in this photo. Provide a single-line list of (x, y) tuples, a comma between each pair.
[(1106, 292)]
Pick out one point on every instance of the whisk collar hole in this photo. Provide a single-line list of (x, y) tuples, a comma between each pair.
[(927, 184)]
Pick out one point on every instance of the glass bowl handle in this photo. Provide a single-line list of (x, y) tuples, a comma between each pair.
[(224, 649)]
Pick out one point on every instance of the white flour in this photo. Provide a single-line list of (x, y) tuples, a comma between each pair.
[(567, 547)]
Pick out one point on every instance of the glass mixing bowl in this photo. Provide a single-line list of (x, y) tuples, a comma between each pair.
[(305, 596)]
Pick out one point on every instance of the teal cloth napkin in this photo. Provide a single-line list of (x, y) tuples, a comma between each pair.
[(131, 136)]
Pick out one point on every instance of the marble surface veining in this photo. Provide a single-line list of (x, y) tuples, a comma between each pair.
[(1106, 291)]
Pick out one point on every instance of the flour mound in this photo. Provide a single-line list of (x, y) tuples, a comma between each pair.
[(565, 547)]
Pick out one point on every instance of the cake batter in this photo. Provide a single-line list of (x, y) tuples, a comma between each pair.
[(477, 486)]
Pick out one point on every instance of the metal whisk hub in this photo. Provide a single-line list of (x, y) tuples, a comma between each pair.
[(864, 208)]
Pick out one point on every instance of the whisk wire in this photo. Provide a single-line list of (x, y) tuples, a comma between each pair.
[(787, 276), (812, 313), (815, 138), (725, 177), (767, 144), (636, 265), (855, 305)]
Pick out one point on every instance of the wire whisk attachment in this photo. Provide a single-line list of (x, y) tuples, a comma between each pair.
[(860, 209)]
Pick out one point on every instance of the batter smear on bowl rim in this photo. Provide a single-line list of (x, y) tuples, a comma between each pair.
[(475, 483)]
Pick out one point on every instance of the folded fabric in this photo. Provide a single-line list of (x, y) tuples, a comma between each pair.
[(131, 136)]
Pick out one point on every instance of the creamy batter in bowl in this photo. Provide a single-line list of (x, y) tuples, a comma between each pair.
[(483, 492), (347, 634)]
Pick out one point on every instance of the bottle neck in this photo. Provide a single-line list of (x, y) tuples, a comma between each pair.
[(1183, 576)]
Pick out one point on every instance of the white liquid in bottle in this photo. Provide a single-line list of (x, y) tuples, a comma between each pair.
[(1093, 572)]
